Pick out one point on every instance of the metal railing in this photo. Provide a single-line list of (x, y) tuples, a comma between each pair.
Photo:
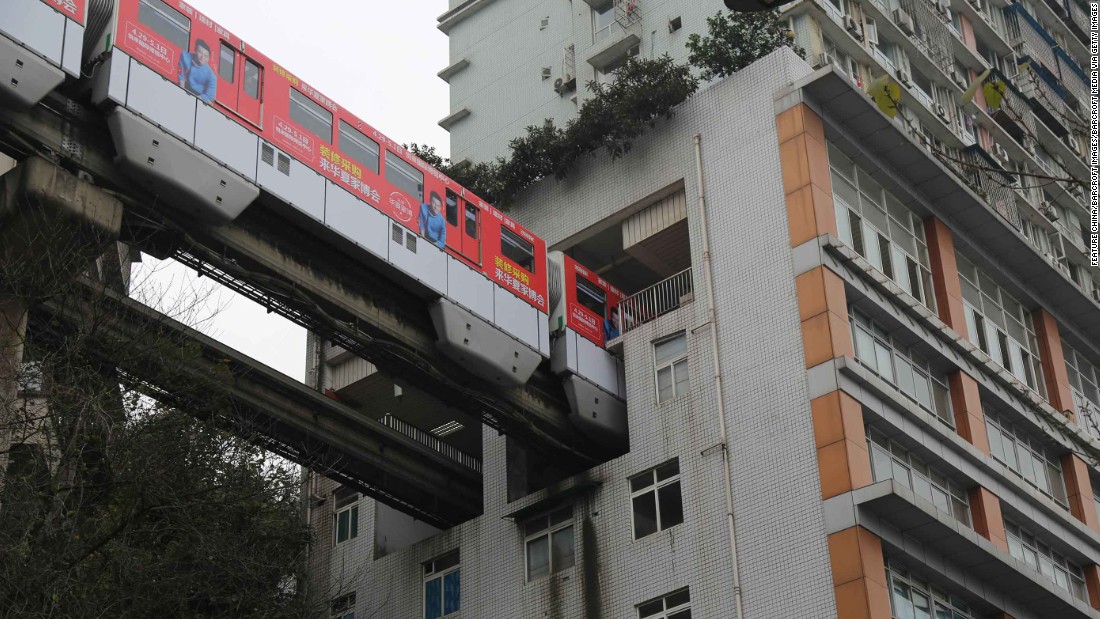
[(431, 441), (660, 298), (977, 168)]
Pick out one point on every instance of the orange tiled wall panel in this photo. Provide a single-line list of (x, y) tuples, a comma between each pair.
[(966, 403), (823, 310), (1054, 363), (859, 575), (806, 181), (985, 509), (1079, 491), (945, 275), (1092, 583), (842, 458)]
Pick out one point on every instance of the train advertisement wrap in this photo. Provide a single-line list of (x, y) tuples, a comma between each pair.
[(73, 9), (185, 46), (592, 303)]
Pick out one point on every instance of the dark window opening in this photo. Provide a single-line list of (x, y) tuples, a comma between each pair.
[(591, 297), (252, 79), (517, 249), (405, 176), (452, 208), (227, 62)]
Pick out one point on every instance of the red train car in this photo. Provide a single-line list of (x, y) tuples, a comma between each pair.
[(186, 47), (590, 302)]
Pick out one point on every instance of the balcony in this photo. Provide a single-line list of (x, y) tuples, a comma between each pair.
[(1047, 98), (1034, 42), (894, 513), (987, 177), (657, 300), (1013, 113), (1077, 20), (1074, 81), (431, 441)]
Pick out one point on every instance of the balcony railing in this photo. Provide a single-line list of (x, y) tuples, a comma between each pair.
[(1032, 39), (432, 442), (1074, 80), (1014, 112), (1047, 98), (1078, 19), (660, 298), (930, 34), (988, 179)]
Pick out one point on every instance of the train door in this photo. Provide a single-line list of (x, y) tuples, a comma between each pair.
[(464, 220), (241, 83)]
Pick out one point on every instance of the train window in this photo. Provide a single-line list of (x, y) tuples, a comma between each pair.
[(166, 21), (451, 208), (471, 221), (402, 174), (227, 63), (310, 115), (251, 79), (517, 249), (591, 297), (359, 147)]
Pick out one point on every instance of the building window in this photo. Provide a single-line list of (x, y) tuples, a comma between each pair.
[(671, 367), (608, 73), (881, 228), (891, 460), (343, 607), (603, 22), (442, 586), (1083, 381), (912, 597), (549, 543), (672, 606), (900, 366), (1026, 456), (346, 517), (655, 499), (999, 325), (517, 249), (165, 21), (1023, 546)]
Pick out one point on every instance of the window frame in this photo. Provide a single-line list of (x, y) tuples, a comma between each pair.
[(1021, 542), (156, 7), (343, 607), (999, 430), (398, 165), (358, 140), (654, 487), (511, 238), (312, 109), (548, 532), (671, 365), (937, 598), (431, 573), (681, 609), (880, 448), (339, 508)]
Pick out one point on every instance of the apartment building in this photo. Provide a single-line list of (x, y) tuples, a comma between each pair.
[(874, 390)]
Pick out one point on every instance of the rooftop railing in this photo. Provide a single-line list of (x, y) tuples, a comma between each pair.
[(432, 442), (657, 300)]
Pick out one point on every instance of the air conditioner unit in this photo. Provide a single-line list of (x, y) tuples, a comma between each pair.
[(1069, 141), (958, 77), (852, 26), (564, 84), (977, 4), (823, 59), (1096, 294), (1048, 211), (1000, 153), (903, 76), (941, 111), (904, 22)]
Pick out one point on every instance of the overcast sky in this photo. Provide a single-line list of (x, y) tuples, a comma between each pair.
[(377, 59)]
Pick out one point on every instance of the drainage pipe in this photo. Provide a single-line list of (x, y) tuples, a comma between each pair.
[(723, 437)]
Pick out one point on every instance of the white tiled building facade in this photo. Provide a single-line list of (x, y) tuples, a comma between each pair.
[(908, 364)]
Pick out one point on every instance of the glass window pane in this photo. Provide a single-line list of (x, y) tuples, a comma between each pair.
[(342, 520), (563, 556), (664, 384), (405, 177), (252, 74), (359, 147), (227, 62), (922, 488), (433, 598), (517, 249), (884, 360), (165, 21), (882, 464), (680, 371), (354, 526), (310, 115), (903, 607), (641, 482), (650, 608), (645, 515), (671, 504), (670, 349), (865, 348), (538, 557), (667, 471), (452, 588), (922, 606)]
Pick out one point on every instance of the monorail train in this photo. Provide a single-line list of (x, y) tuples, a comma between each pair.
[(207, 122)]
